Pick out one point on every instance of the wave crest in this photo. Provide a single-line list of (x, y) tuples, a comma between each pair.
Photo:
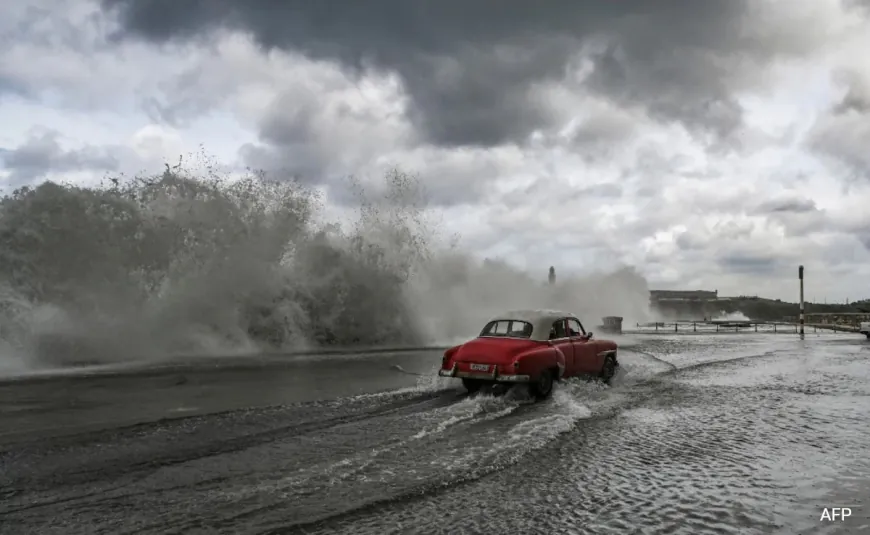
[(197, 263)]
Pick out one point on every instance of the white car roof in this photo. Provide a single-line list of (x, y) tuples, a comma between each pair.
[(541, 320)]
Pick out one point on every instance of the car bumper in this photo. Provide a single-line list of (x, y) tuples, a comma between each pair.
[(485, 376)]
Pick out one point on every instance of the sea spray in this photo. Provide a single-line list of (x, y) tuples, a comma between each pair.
[(195, 263)]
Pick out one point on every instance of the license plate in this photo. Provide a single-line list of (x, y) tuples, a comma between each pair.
[(480, 367)]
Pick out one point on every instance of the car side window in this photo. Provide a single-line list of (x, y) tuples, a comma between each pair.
[(575, 328), (558, 330)]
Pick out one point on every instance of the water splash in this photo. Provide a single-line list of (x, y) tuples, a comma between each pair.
[(733, 316), (195, 263)]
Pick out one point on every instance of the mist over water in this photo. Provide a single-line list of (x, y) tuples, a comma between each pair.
[(193, 263)]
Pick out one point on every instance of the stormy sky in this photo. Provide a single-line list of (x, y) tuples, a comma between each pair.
[(713, 144)]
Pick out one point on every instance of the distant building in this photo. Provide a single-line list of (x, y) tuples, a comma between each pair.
[(684, 295), (681, 304), (612, 325), (552, 276)]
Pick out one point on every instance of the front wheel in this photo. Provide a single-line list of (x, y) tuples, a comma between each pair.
[(608, 370), (542, 387)]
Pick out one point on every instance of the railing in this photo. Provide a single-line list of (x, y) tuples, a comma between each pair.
[(740, 326)]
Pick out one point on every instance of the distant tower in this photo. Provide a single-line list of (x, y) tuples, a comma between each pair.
[(552, 276)]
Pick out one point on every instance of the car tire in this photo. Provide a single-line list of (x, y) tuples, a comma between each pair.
[(472, 385), (608, 370), (542, 386)]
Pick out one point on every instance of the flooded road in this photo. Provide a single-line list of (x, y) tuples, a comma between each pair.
[(699, 434)]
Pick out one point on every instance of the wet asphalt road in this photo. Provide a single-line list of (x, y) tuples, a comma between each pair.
[(701, 434)]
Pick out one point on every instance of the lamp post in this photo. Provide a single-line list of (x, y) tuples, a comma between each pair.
[(801, 279)]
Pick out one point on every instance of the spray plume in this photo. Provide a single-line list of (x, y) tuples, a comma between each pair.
[(194, 263)]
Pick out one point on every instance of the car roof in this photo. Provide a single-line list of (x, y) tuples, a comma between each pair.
[(541, 319)]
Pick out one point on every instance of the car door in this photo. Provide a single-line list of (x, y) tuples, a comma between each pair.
[(584, 349), (560, 339)]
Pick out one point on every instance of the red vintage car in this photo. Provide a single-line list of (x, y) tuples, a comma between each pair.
[(536, 347)]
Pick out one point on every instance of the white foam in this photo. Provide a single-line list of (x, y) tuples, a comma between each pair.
[(483, 447), (426, 383), (558, 415), (435, 423), (432, 382), (477, 409)]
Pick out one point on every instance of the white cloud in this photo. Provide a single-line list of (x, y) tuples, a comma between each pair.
[(605, 180)]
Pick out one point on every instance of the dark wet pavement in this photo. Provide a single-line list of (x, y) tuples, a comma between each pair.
[(45, 406)]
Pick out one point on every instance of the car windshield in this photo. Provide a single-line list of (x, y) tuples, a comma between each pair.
[(508, 329)]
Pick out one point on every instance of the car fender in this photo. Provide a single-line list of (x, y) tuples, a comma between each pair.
[(534, 361), (449, 354), (610, 347), (607, 348)]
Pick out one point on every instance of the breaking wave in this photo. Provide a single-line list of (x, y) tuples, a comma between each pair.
[(733, 316), (197, 263)]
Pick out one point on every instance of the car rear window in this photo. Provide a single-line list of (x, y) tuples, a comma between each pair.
[(508, 329)]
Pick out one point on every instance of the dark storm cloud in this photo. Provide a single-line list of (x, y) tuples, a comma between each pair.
[(41, 153), (857, 96), (755, 264), (471, 68), (602, 134), (690, 242), (42, 28), (179, 112), (185, 100), (791, 205), (861, 5), (302, 161), (843, 133), (49, 25), (623, 72), (14, 86)]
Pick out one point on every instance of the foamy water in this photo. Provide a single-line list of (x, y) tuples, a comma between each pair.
[(715, 456)]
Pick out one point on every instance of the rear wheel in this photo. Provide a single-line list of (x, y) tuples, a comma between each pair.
[(472, 385), (542, 386), (608, 370)]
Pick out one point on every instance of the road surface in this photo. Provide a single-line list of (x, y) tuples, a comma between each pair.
[(700, 434)]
